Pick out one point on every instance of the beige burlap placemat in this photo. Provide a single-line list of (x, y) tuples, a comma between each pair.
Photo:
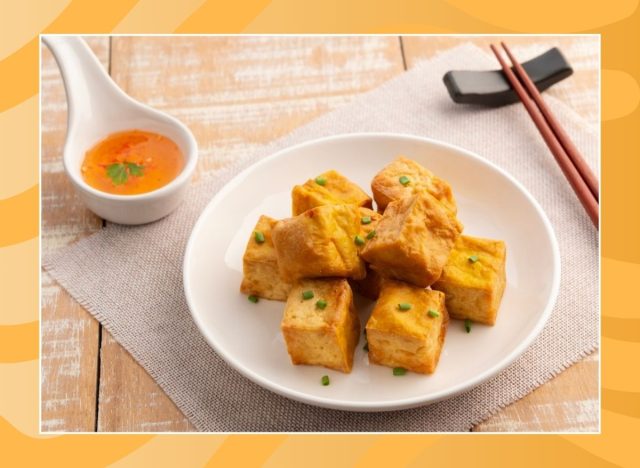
[(130, 278)]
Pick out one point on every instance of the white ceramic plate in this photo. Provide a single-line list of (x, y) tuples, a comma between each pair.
[(491, 204)]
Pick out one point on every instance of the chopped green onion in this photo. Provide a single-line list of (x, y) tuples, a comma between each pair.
[(358, 240), (253, 299), (473, 258), (366, 347), (325, 380), (404, 306), (321, 180), (259, 237), (321, 304), (365, 220), (306, 295), (399, 371), (404, 180), (467, 325), (433, 313), (371, 234)]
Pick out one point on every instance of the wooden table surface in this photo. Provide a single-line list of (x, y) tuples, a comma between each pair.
[(236, 94)]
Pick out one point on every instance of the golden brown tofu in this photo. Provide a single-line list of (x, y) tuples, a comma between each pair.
[(329, 188), (261, 276), (369, 286), (404, 177), (320, 324), (413, 240), (321, 242), (407, 327), (474, 279), (368, 222)]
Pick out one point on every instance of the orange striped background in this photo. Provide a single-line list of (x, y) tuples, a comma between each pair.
[(619, 24)]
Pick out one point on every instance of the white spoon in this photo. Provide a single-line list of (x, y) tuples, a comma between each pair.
[(97, 107)]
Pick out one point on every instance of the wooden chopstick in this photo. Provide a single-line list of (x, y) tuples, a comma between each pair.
[(571, 150), (572, 175)]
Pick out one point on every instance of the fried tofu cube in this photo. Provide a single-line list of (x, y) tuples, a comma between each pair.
[(407, 327), (404, 177), (319, 243), (474, 278), (329, 188), (413, 240), (320, 324), (261, 276), (369, 286)]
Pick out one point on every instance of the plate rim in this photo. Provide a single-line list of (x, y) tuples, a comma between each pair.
[(388, 405)]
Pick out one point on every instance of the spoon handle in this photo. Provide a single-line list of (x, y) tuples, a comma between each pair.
[(87, 84)]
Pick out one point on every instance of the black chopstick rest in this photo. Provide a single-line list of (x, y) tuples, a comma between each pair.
[(491, 88)]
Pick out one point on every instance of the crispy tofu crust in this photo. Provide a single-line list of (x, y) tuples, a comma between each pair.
[(413, 240), (322, 337), (474, 290), (261, 276), (319, 243), (365, 229), (369, 286), (338, 190), (411, 339), (386, 186)]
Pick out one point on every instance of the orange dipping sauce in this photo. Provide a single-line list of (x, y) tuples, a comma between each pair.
[(132, 162)]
